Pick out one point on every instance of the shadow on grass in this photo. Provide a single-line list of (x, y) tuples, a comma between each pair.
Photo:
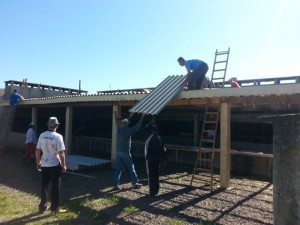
[(90, 201)]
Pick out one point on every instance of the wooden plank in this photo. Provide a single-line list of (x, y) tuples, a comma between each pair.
[(68, 128), (116, 113)]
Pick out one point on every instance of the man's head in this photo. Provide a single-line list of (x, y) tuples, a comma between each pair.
[(53, 122), (232, 79), (15, 91), (124, 123), (31, 125), (154, 128), (181, 61)]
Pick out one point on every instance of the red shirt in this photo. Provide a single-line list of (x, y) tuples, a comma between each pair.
[(235, 84)]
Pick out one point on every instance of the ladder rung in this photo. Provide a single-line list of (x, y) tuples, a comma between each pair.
[(219, 70), (218, 78), (221, 53), (205, 160), (203, 170), (208, 140), (207, 121), (209, 130), (212, 113), (205, 149), (221, 61)]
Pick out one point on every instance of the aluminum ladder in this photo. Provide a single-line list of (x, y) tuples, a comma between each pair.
[(220, 67)]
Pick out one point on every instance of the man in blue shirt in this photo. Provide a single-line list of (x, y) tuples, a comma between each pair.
[(14, 98), (196, 70), (123, 155)]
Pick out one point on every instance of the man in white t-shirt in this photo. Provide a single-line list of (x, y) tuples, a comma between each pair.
[(50, 160)]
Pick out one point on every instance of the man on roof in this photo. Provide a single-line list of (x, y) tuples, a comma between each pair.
[(196, 71), (14, 98)]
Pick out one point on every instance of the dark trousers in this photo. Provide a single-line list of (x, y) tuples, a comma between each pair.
[(51, 175), (197, 76), (153, 176)]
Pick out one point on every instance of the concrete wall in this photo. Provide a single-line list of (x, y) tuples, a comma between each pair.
[(33, 92)]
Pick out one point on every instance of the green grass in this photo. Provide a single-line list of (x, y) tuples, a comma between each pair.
[(130, 209), (13, 204), (176, 221), (101, 202), (16, 204)]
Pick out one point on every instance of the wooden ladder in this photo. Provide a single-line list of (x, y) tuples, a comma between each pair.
[(10, 117), (206, 150), (220, 67)]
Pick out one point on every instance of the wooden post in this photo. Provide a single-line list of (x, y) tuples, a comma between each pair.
[(116, 113), (225, 146), (68, 129), (34, 116)]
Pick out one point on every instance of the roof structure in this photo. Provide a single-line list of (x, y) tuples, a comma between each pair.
[(253, 93)]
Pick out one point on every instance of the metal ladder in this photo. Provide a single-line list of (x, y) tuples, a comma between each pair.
[(10, 117), (220, 67), (206, 150)]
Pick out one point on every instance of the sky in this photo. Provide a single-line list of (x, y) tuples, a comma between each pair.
[(118, 44)]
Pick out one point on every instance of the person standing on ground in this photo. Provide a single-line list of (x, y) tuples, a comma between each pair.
[(30, 143), (233, 82), (196, 71), (50, 160), (154, 150), (123, 155), (14, 98)]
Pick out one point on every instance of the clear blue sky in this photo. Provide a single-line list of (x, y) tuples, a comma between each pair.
[(119, 44)]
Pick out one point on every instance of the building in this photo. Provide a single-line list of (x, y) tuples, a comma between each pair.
[(89, 126)]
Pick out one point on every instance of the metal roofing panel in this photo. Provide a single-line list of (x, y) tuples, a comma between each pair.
[(166, 91)]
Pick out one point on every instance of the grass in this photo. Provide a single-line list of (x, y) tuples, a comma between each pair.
[(13, 204), (91, 201), (130, 209), (176, 221)]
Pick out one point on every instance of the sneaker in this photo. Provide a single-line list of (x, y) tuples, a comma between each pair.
[(116, 188), (137, 185), (153, 194), (59, 211)]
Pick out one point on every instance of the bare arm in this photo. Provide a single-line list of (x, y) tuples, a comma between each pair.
[(38, 159), (187, 76), (62, 158)]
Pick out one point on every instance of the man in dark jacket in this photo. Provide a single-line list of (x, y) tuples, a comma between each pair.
[(154, 149), (123, 151)]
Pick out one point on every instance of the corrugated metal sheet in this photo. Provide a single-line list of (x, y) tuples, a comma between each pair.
[(166, 91), (75, 161)]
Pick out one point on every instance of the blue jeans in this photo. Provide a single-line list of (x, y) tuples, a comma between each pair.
[(121, 158)]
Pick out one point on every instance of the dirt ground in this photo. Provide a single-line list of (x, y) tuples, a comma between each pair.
[(248, 201)]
